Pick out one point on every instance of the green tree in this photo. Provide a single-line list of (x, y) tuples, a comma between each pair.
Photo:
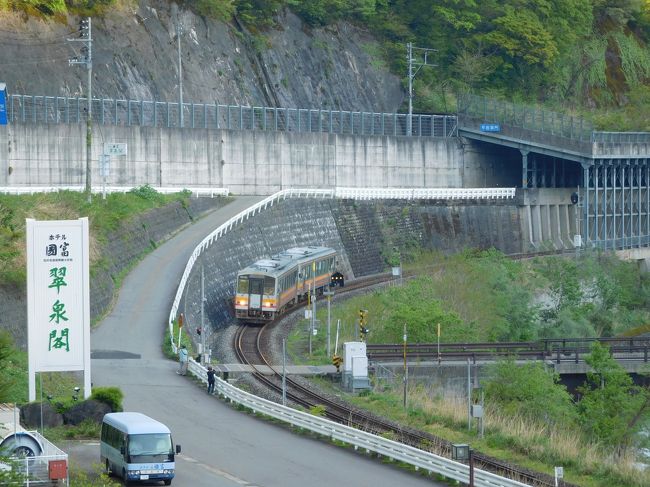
[(612, 408), (529, 390), (215, 9)]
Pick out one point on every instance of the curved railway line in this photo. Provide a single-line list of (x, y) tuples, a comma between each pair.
[(251, 344)]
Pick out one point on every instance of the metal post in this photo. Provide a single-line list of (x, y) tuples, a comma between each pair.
[(179, 29), (40, 378), (89, 122), (329, 295), (471, 468), (469, 395), (203, 331), (311, 321), (406, 373), (438, 343), (313, 302), (284, 371), (409, 56)]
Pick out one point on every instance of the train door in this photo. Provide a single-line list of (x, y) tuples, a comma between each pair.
[(255, 290)]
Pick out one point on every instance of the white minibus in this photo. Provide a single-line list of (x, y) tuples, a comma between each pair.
[(137, 448)]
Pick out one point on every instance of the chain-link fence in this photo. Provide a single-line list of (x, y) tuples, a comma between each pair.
[(50, 109)]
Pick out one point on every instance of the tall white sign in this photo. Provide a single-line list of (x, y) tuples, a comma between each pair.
[(58, 304)]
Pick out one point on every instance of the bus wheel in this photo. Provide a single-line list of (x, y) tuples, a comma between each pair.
[(168, 482)]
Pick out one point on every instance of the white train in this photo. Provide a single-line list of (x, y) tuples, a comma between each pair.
[(266, 288)]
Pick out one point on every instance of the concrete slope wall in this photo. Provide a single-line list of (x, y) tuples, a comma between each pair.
[(363, 232), (246, 162)]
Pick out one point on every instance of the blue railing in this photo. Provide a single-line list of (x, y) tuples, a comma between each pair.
[(54, 109)]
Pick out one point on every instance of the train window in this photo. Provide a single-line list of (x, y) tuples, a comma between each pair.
[(242, 285), (256, 286), (269, 285)]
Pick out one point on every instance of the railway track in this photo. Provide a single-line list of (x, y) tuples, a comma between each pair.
[(251, 344), (556, 350)]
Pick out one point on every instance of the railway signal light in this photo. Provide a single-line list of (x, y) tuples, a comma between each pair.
[(363, 321), (337, 360)]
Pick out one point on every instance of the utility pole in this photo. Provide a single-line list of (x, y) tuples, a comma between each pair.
[(179, 31), (417, 63), (85, 36)]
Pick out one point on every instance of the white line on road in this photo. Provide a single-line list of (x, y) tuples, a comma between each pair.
[(217, 471)]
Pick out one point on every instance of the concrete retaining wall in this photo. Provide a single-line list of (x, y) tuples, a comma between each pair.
[(246, 162), (363, 232)]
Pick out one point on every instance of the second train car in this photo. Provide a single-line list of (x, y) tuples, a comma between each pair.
[(267, 287)]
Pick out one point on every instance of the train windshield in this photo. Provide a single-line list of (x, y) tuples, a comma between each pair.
[(269, 286), (242, 285)]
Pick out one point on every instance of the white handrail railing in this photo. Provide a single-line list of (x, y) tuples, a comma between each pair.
[(394, 450)]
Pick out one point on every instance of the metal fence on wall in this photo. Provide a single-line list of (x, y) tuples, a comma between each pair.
[(51, 109), (531, 118)]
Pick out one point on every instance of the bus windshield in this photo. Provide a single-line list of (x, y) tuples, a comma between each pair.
[(153, 447)]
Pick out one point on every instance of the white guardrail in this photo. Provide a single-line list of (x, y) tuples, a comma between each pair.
[(420, 459), (209, 192), (359, 439)]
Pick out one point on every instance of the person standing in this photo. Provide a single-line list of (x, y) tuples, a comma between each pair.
[(210, 380), (182, 359)]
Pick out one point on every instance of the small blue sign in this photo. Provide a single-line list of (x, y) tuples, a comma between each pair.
[(490, 127), (3, 104)]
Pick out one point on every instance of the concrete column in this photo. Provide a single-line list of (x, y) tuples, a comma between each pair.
[(524, 168), (584, 230), (556, 226), (538, 235)]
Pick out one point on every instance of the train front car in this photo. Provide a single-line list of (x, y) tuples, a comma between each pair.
[(256, 300), (269, 286)]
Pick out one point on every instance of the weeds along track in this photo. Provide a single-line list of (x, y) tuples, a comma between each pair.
[(253, 348)]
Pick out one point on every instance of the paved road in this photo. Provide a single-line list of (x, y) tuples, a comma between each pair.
[(221, 446)]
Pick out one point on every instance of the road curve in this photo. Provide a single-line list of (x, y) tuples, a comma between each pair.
[(221, 446)]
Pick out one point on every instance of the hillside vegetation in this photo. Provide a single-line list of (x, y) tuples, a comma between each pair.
[(581, 54)]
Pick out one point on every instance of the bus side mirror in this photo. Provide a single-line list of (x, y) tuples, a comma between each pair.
[(122, 450), (178, 448)]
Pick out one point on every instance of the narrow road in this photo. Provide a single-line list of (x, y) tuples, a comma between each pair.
[(221, 446)]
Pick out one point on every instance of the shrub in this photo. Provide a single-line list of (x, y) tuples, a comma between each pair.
[(109, 395)]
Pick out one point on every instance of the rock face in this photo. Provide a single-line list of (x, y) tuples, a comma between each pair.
[(135, 57), (30, 415), (90, 409)]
